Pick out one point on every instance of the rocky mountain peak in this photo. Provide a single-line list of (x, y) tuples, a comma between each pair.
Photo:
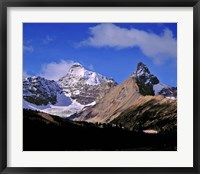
[(79, 74), (133, 98), (142, 68), (149, 84), (144, 75), (145, 80), (82, 88), (83, 85)]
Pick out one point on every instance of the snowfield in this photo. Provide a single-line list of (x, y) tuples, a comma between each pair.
[(63, 91), (64, 107)]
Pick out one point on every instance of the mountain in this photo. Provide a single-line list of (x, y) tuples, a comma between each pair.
[(138, 114), (137, 100), (79, 88), (150, 85), (116, 101), (85, 95), (40, 91), (150, 113), (85, 86)]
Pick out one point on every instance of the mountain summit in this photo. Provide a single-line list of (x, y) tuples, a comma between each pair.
[(77, 73), (77, 89), (150, 85), (142, 69), (135, 104), (145, 80), (144, 75), (83, 85)]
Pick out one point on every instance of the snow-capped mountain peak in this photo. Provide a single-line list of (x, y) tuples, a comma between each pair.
[(77, 73), (77, 70), (80, 88), (82, 84), (77, 89)]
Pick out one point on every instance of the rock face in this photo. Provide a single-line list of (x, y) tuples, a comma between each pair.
[(136, 104), (40, 91), (150, 85), (116, 101), (145, 80), (170, 92), (85, 86), (79, 88), (84, 95)]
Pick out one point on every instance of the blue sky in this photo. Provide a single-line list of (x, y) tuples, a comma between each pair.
[(112, 50)]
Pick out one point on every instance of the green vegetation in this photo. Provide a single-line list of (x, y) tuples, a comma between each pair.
[(149, 116)]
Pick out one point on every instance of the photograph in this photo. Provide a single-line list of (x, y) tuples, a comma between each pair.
[(99, 86)]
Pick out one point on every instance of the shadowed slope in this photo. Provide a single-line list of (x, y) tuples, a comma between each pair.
[(150, 113)]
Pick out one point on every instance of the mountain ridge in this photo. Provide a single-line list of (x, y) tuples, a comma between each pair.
[(128, 106), (79, 88)]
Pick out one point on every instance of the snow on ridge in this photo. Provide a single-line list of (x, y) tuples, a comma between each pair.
[(77, 72), (64, 91), (64, 107), (57, 110), (144, 75), (158, 87), (172, 98), (27, 105)]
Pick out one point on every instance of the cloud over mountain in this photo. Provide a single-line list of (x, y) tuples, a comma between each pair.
[(54, 71)]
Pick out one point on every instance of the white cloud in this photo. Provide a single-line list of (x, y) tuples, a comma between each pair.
[(54, 71), (47, 39), (158, 47), (28, 48)]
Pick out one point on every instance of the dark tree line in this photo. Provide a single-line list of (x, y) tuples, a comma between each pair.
[(40, 134)]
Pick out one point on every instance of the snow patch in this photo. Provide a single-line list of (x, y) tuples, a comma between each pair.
[(65, 106), (78, 73), (150, 131), (158, 87), (73, 83), (27, 105), (172, 98)]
